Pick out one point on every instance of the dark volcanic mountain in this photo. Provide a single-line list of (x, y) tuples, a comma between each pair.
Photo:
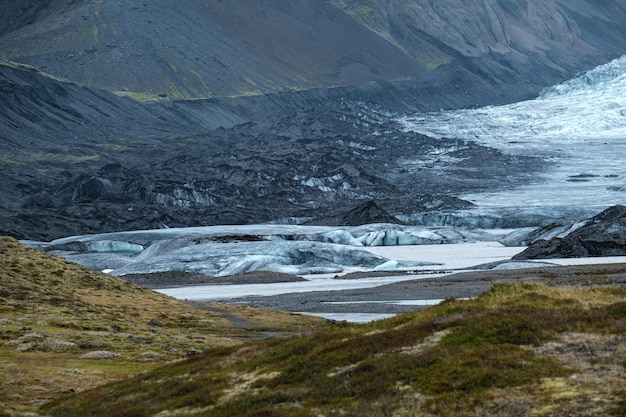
[(135, 114), (202, 49), (190, 48)]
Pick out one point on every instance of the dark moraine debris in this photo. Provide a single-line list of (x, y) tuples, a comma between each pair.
[(367, 213), (168, 279)]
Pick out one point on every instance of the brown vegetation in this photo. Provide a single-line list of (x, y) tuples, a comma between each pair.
[(77, 342), (64, 328), (519, 349)]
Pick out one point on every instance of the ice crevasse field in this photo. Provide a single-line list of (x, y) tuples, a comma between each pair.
[(579, 125)]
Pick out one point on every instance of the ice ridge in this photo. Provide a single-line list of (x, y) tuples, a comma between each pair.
[(609, 75)]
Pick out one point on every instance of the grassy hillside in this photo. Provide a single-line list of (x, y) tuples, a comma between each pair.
[(64, 328), (518, 350)]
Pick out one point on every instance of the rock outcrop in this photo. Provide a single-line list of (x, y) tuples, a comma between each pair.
[(366, 213), (602, 235)]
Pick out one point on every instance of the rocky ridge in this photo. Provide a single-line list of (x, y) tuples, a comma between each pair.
[(601, 235)]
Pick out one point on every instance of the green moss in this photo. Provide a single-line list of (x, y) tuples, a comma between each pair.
[(63, 158), (172, 92), (431, 59), (447, 360), (27, 67), (617, 311), (114, 147), (248, 88), (445, 371), (111, 147), (11, 161), (206, 90), (140, 96), (366, 12), (371, 15)]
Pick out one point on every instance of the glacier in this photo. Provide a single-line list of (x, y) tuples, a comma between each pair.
[(232, 250), (578, 126)]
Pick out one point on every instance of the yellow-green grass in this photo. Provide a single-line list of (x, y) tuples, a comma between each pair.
[(512, 351), (49, 157), (21, 66), (65, 328)]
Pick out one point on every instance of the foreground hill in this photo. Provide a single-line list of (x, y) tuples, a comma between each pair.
[(65, 328), (519, 349)]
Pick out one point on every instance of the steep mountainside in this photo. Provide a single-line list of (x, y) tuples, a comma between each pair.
[(476, 28), (191, 49)]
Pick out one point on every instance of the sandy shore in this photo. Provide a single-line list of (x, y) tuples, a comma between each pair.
[(414, 295), (463, 271), (374, 302)]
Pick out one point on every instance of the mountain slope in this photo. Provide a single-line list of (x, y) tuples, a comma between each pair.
[(198, 49), (191, 49)]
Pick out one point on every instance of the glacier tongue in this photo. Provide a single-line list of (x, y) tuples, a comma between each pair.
[(589, 107), (231, 250), (578, 126), (613, 73)]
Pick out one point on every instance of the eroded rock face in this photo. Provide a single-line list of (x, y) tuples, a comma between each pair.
[(602, 235), (476, 27)]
